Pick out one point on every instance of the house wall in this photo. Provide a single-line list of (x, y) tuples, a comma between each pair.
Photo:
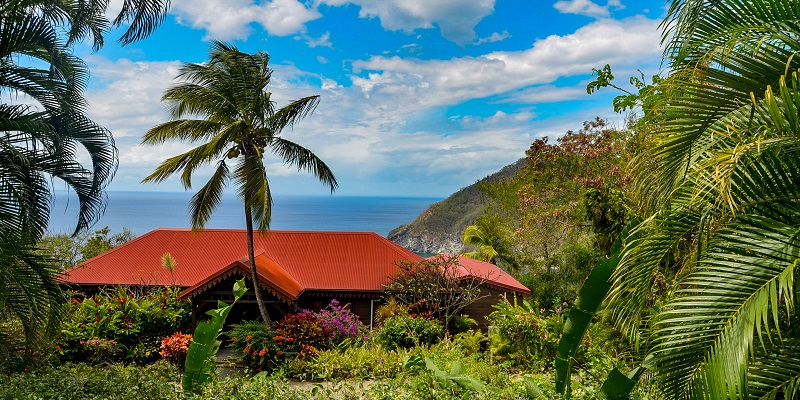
[(480, 309)]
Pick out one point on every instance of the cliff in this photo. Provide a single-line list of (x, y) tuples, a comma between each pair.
[(438, 229)]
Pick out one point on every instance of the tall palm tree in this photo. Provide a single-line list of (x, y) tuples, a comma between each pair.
[(237, 121), (724, 205)]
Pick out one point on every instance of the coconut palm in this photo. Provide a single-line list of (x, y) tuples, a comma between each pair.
[(237, 123), (724, 206), (491, 241)]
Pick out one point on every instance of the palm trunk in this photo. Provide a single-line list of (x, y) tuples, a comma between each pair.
[(253, 273)]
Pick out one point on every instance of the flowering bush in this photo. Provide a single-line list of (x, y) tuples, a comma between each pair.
[(136, 322), (256, 346), (303, 333), (98, 350), (175, 347), (342, 322)]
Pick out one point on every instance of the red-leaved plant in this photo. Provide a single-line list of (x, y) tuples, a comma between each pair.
[(175, 347)]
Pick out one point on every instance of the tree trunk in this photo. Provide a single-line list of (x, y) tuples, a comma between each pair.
[(253, 272)]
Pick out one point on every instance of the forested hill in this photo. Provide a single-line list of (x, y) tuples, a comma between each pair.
[(438, 229)]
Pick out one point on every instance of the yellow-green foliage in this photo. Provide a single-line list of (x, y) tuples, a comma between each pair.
[(364, 362)]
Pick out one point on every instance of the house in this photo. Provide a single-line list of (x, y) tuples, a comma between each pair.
[(295, 268)]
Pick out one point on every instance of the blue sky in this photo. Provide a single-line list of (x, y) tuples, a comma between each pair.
[(418, 97)]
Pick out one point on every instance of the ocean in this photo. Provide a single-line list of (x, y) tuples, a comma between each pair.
[(142, 212)]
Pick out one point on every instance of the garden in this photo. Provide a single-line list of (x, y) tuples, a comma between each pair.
[(118, 344)]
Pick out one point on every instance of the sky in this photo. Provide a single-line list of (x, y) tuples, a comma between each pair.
[(419, 98)]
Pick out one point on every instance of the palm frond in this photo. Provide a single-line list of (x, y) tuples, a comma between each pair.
[(208, 197), (253, 188), (732, 297), (305, 160)]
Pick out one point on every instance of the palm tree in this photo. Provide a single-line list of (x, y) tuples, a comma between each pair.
[(724, 207), (42, 127), (237, 121), (491, 241)]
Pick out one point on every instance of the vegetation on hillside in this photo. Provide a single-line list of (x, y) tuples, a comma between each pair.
[(438, 229)]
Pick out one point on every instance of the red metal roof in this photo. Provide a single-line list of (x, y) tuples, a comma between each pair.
[(355, 261), (290, 262), (491, 273)]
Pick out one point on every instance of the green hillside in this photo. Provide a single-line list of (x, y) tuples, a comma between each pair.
[(438, 229)]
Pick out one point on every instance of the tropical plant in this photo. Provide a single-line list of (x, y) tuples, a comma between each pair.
[(201, 357), (706, 282), (29, 297), (435, 287), (237, 121), (491, 241), (43, 126)]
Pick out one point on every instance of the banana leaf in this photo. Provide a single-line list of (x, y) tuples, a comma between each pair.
[(591, 295), (201, 359)]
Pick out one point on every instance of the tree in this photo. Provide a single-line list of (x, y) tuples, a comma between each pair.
[(70, 250), (436, 285), (238, 122), (43, 126), (722, 200), (491, 241)]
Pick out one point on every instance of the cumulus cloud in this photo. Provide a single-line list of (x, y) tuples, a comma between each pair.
[(389, 122), (427, 83), (232, 19), (456, 19), (587, 7)]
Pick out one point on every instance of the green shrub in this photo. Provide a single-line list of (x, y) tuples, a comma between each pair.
[(461, 323), (370, 361), (136, 322), (403, 331), (525, 336), (82, 381)]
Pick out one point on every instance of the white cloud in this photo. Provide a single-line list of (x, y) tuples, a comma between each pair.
[(390, 123), (418, 84), (231, 19), (494, 37), (456, 19), (322, 41), (587, 7), (546, 94)]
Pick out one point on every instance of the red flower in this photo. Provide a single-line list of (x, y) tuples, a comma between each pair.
[(97, 319)]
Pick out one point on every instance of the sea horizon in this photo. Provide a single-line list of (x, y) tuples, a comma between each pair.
[(144, 211)]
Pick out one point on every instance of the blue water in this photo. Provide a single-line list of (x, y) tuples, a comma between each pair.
[(142, 212)]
